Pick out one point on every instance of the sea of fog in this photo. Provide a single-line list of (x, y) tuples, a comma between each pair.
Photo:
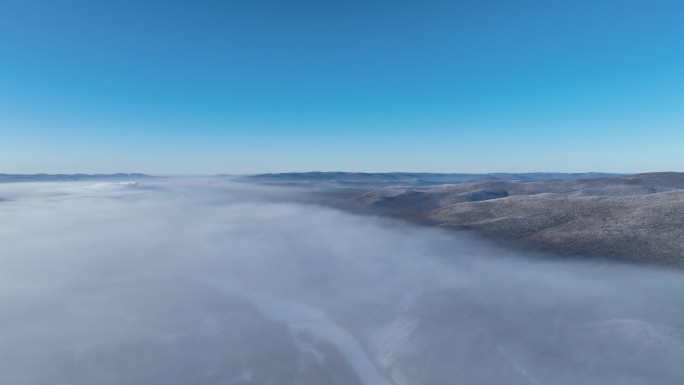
[(205, 281)]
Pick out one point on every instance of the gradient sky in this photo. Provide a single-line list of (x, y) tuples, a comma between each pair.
[(200, 87)]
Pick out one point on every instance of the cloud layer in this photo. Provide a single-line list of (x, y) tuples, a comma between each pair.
[(204, 281)]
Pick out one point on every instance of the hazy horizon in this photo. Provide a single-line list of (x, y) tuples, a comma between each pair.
[(334, 171)]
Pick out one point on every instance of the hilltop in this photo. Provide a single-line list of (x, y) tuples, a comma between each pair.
[(633, 218)]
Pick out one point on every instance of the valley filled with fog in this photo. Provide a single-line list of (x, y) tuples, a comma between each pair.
[(206, 281)]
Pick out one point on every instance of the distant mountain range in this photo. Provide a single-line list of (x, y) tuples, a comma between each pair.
[(339, 179), (66, 177), (362, 179)]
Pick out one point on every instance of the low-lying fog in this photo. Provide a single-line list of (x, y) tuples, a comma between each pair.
[(204, 281)]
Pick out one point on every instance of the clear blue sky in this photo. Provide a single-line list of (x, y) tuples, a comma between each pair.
[(198, 87)]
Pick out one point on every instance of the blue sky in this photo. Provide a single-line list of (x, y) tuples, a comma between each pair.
[(201, 87)]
